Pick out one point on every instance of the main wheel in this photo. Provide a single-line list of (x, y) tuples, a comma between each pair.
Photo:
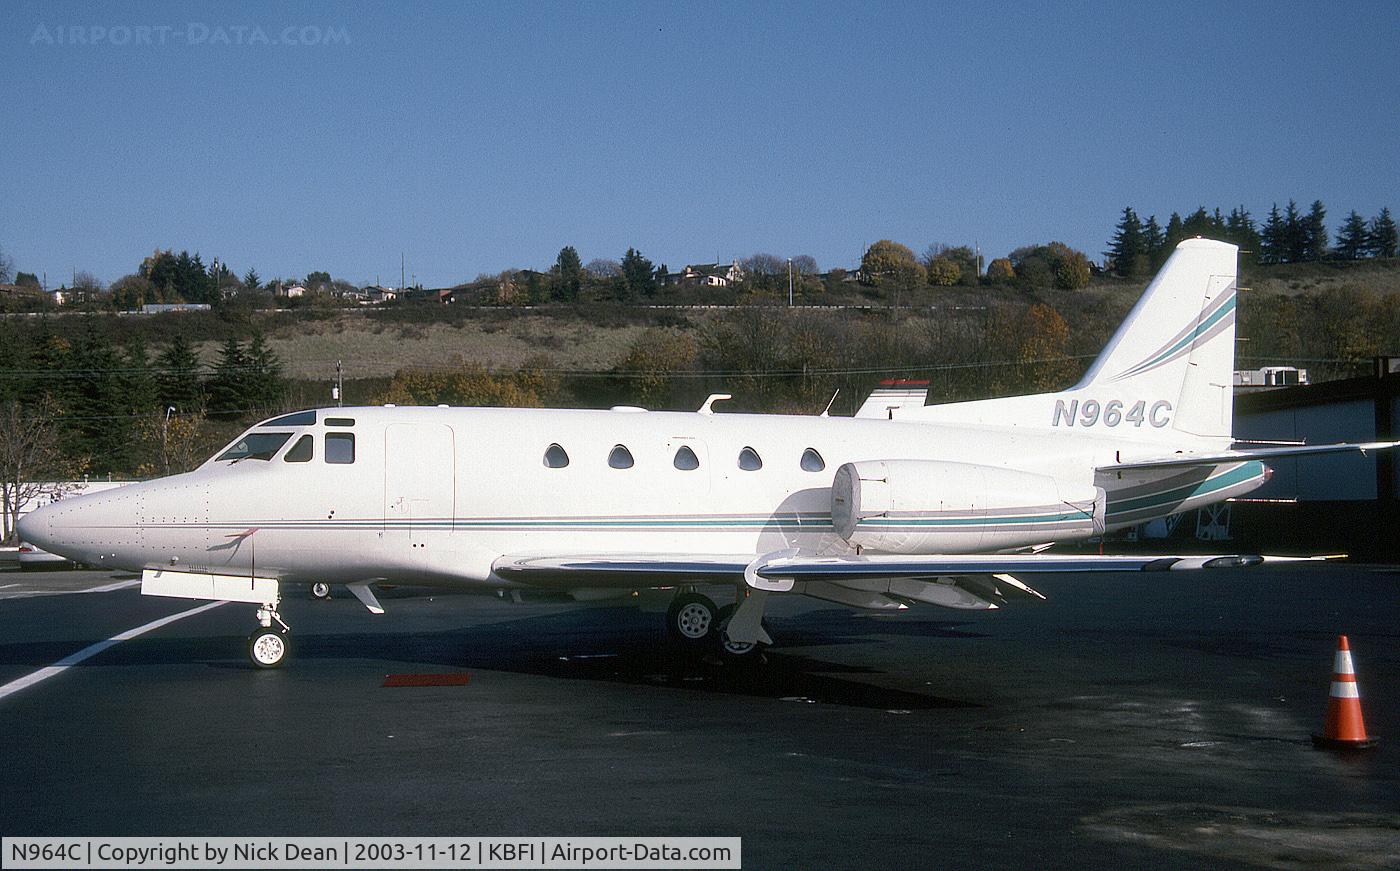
[(320, 590), (734, 651), (690, 619), (268, 647)]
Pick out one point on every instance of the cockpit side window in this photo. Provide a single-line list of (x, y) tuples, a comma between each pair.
[(256, 446), (302, 451), (340, 447)]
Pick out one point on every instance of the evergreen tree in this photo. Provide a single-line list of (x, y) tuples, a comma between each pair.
[(637, 275), (569, 274), (1154, 242), (1126, 250), (1199, 223), (1354, 237), (1381, 241), (136, 385), (1273, 247), (96, 423), (1314, 232), (1295, 234), (251, 279), (1176, 232), (266, 387), (177, 378), (48, 361), (14, 361), (228, 385), (1239, 229)]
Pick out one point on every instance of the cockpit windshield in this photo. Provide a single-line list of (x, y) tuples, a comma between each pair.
[(256, 446)]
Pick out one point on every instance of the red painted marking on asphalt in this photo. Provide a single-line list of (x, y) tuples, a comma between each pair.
[(455, 679)]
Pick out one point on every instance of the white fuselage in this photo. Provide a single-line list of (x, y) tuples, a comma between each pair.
[(437, 495)]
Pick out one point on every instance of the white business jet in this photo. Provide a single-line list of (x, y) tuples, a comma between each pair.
[(905, 503)]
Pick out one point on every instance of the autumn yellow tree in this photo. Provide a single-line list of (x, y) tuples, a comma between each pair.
[(653, 359), (472, 384)]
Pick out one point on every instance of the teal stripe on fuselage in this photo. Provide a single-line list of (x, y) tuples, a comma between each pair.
[(1177, 495)]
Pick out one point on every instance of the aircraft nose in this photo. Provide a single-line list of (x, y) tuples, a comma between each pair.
[(36, 527)]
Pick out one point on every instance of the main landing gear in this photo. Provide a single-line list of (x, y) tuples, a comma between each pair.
[(695, 623), (269, 645)]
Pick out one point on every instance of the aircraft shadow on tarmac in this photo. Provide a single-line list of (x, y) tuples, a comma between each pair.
[(612, 645)]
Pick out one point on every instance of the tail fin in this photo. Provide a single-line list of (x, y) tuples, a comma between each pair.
[(1178, 343), (1168, 371)]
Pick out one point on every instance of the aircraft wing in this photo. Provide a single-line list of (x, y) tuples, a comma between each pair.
[(1239, 456), (777, 572)]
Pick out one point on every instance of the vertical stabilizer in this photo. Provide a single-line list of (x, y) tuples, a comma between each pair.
[(1177, 345), (1167, 373)]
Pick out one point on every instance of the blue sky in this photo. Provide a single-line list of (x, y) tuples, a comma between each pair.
[(475, 137)]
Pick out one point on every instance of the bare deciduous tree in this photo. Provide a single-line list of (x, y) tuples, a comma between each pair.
[(31, 463)]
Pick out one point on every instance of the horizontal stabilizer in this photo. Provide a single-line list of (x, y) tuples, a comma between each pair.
[(1239, 456), (885, 401)]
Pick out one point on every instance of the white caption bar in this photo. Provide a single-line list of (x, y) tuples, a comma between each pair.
[(372, 853)]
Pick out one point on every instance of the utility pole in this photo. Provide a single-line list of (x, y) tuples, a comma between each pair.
[(401, 272), (789, 282), (164, 438)]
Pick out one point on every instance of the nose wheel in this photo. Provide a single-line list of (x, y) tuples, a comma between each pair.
[(269, 645), (268, 648)]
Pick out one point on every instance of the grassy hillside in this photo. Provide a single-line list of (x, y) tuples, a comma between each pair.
[(970, 341)]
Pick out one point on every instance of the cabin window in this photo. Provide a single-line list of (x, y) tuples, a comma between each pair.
[(340, 447), (749, 460), (620, 458), (686, 460), (256, 446), (301, 451), (555, 457), (812, 461), (299, 418), (340, 421)]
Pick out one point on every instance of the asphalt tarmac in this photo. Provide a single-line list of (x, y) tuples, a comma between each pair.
[(1130, 720)]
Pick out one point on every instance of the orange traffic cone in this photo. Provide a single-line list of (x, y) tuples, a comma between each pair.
[(1345, 729)]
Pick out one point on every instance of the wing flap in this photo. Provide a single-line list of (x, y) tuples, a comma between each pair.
[(778, 572)]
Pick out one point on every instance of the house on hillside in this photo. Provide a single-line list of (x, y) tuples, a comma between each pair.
[(706, 275)]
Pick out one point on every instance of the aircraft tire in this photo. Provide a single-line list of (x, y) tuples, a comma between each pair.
[(691, 619), (320, 590), (745, 654), (268, 647)]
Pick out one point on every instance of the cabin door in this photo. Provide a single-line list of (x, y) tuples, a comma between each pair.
[(420, 477)]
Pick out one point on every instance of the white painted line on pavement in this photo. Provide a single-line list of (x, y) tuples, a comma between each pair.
[(30, 593), (107, 588), (92, 650)]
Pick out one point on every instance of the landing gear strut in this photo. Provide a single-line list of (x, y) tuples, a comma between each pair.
[(735, 651), (697, 624), (268, 646)]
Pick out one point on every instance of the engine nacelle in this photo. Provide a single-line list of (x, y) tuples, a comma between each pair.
[(928, 506)]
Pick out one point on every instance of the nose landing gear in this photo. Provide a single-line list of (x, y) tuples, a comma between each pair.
[(268, 646)]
